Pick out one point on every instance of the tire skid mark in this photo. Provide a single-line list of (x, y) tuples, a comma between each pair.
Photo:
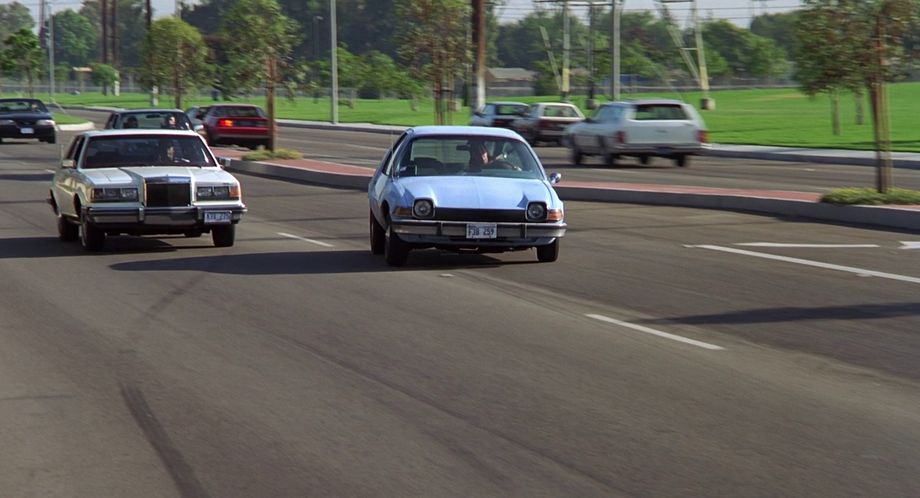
[(179, 470)]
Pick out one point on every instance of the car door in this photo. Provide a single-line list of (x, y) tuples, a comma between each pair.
[(382, 176), (589, 134)]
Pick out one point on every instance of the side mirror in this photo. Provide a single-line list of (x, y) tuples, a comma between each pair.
[(555, 178), (224, 162), (68, 163), (198, 127)]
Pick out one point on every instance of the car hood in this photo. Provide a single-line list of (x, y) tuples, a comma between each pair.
[(137, 174), (476, 192)]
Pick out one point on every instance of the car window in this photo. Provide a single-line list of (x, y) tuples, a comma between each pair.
[(74, 151), (509, 110), (488, 109), (387, 159), (127, 150), (468, 156), (239, 112), (22, 105), (660, 112), (154, 120)]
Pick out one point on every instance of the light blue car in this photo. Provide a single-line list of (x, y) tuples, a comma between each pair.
[(463, 188)]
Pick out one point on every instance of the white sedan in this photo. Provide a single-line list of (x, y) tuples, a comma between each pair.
[(642, 128), (143, 182)]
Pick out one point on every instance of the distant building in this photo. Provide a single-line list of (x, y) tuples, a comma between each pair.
[(509, 81)]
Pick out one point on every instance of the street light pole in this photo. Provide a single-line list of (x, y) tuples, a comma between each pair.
[(335, 63), (51, 48), (615, 48)]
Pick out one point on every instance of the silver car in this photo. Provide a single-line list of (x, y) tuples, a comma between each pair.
[(463, 188), (143, 182)]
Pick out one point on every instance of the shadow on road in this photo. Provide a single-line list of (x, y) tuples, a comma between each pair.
[(797, 314), (29, 177), (51, 247), (312, 262)]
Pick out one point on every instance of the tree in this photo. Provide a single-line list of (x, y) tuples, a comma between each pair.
[(258, 38), (24, 55), (14, 17), (433, 33), (129, 33), (75, 39), (104, 75), (174, 56), (778, 27)]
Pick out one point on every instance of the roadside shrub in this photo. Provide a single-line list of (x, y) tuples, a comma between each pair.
[(279, 153), (869, 196)]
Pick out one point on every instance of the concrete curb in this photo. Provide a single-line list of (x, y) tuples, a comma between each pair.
[(805, 157), (77, 127), (879, 216)]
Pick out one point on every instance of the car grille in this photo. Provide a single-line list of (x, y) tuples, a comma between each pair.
[(168, 192), (488, 215), (26, 122)]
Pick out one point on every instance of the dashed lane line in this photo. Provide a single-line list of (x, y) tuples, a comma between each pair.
[(297, 237), (658, 333)]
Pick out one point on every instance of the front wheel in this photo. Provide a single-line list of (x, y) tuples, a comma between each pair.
[(577, 156), (610, 159), (549, 252), (378, 237), (396, 251), (682, 160), (223, 236), (92, 238), (67, 231)]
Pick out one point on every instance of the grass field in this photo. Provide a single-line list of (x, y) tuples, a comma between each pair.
[(767, 116), (61, 118)]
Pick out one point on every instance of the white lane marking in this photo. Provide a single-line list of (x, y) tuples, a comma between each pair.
[(297, 237), (910, 244), (818, 246), (50, 171), (647, 330), (817, 264)]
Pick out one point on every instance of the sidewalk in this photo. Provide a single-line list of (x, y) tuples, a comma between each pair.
[(770, 202)]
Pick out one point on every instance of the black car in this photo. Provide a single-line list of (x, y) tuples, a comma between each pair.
[(149, 119), (26, 118)]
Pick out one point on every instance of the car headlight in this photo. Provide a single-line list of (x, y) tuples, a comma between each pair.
[(423, 208), (117, 194), (218, 193), (45, 122), (6, 122), (536, 211)]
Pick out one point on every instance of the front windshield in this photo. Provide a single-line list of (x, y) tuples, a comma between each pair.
[(469, 156), (118, 151), (24, 105), (155, 120)]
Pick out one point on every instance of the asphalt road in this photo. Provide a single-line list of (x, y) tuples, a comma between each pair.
[(366, 149), (657, 357)]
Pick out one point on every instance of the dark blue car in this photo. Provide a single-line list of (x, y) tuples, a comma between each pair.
[(26, 118)]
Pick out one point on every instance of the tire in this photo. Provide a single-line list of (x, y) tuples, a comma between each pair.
[(67, 231), (577, 157), (682, 160), (378, 237), (92, 238), (610, 159), (396, 251), (52, 140), (549, 252), (223, 236), (644, 160)]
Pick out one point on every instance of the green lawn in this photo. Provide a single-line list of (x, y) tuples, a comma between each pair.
[(766, 117), (61, 118)]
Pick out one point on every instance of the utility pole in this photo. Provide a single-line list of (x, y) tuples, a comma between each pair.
[(479, 30), (154, 90), (707, 103), (335, 62), (114, 32), (616, 9), (565, 50), (591, 102), (104, 7), (51, 49)]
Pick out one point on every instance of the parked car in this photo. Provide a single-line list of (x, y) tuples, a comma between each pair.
[(232, 124), (149, 119), (545, 122), (643, 128), (26, 118), (143, 182), (462, 188), (499, 114)]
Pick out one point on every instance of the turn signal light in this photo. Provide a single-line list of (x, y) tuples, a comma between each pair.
[(702, 136), (235, 191), (225, 123), (554, 215)]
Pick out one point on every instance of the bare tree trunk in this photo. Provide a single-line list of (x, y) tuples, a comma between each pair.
[(880, 113), (270, 102), (860, 111), (835, 112)]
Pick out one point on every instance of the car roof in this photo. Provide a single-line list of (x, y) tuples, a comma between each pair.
[(474, 131), (648, 102), (19, 99), (506, 102), (141, 111), (231, 105), (140, 132)]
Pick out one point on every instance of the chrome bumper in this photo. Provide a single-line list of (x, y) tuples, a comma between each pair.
[(186, 216), (457, 230), (659, 149)]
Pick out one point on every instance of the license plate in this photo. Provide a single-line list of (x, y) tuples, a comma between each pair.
[(27, 131), (217, 217), (481, 230)]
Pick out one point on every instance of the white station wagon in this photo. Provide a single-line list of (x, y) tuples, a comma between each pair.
[(641, 128), (143, 182)]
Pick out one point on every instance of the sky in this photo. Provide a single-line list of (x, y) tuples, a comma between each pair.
[(737, 11)]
